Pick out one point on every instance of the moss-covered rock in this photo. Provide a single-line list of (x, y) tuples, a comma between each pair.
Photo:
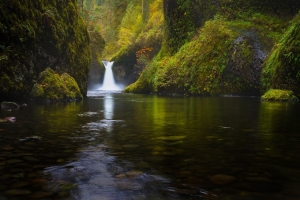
[(279, 95), (226, 54), (51, 86), (224, 57), (39, 34)]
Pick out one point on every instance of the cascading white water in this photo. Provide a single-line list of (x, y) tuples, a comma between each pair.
[(109, 81)]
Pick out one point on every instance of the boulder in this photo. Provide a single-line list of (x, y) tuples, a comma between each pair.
[(54, 87), (222, 179), (9, 105)]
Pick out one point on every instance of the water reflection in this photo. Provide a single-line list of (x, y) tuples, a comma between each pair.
[(108, 110), (108, 105), (125, 146)]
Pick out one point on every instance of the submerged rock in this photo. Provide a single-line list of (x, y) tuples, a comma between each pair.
[(9, 105), (171, 138), (8, 119), (130, 146), (222, 179), (17, 192), (134, 173)]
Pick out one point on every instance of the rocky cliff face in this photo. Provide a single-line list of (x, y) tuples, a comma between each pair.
[(35, 35)]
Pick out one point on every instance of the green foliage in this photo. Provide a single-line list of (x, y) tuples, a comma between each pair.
[(136, 34), (131, 25), (182, 17), (281, 68), (52, 86), (279, 95), (222, 58), (224, 55), (152, 33), (179, 24)]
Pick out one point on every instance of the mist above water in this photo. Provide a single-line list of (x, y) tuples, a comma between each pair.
[(109, 81)]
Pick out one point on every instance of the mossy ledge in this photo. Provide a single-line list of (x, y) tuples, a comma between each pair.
[(279, 95), (54, 87)]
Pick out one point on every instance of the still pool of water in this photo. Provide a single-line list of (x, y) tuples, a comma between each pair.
[(132, 147)]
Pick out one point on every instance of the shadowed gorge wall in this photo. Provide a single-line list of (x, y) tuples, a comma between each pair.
[(38, 34)]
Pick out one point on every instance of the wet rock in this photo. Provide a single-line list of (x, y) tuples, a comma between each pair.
[(4, 177), (171, 138), (39, 181), (118, 153), (8, 148), (285, 173), (20, 175), (129, 186), (40, 194), (17, 192), (31, 138), (198, 183), (169, 153), (142, 165), (258, 179), (63, 194), (257, 187), (32, 175), (121, 176), (31, 159), (20, 185), (292, 189), (3, 187), (40, 166), (222, 179), (134, 173), (16, 170), (13, 161), (115, 146), (9, 105), (26, 148), (173, 143), (158, 148), (183, 174), (8, 119), (23, 165), (189, 191), (61, 160), (130, 146)]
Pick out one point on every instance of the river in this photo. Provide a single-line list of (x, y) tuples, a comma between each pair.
[(131, 147)]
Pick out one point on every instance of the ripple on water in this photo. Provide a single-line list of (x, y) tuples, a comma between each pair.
[(88, 114), (96, 176)]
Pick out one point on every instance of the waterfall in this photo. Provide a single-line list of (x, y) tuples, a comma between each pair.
[(109, 82)]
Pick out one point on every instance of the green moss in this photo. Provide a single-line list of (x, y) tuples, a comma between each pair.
[(37, 91), (282, 68), (39, 34), (224, 57), (279, 95), (70, 83), (52, 86)]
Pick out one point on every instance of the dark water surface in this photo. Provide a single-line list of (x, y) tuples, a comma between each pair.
[(113, 146)]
